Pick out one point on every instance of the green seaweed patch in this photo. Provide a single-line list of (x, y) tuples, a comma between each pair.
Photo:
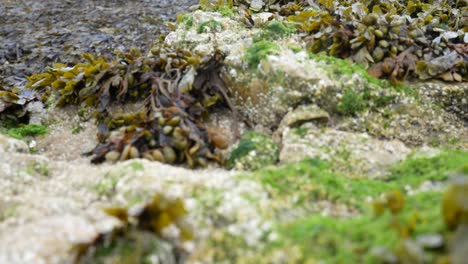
[(345, 67), (253, 152), (210, 26), (185, 19), (23, 131), (226, 11), (259, 50), (356, 240), (415, 170), (351, 103), (274, 30), (313, 180)]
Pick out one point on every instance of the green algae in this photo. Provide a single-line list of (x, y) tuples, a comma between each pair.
[(258, 51), (23, 131), (415, 170), (106, 187), (253, 152), (226, 11), (38, 168), (185, 19), (341, 67), (361, 238), (274, 30), (210, 26), (313, 180), (354, 240), (351, 103)]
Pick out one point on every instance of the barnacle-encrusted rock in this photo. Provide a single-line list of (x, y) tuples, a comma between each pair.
[(452, 97)]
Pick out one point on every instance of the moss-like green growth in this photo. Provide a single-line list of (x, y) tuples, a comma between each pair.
[(254, 151), (77, 129), (357, 240), (351, 103), (210, 26), (344, 67), (136, 166), (258, 51), (417, 169), (26, 130), (274, 30), (8, 210), (226, 11), (187, 20), (313, 180)]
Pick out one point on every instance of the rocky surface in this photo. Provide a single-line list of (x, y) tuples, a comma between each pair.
[(35, 34), (52, 199)]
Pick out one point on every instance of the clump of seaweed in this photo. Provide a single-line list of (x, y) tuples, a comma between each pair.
[(394, 39), (178, 89), (140, 235)]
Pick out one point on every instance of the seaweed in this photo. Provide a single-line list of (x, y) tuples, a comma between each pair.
[(140, 234), (177, 89)]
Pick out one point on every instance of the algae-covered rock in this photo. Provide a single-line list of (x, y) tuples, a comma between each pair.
[(349, 153), (254, 151)]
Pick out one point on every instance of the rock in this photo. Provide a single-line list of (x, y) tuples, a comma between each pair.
[(256, 5), (300, 115), (49, 240), (452, 97), (351, 153), (8, 144)]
